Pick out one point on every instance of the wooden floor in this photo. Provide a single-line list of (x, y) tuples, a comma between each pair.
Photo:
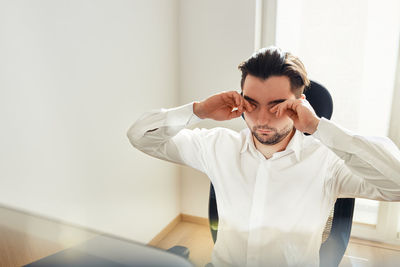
[(194, 236), (25, 238), (198, 239)]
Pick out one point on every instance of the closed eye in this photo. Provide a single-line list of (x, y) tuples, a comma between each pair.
[(276, 102)]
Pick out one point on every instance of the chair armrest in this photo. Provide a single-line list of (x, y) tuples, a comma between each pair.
[(180, 251)]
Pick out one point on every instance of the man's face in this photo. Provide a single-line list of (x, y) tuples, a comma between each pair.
[(263, 95)]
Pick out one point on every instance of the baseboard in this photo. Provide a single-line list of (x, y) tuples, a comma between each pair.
[(195, 219), (164, 232), (180, 218), (376, 244)]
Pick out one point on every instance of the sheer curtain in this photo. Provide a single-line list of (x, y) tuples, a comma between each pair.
[(352, 48)]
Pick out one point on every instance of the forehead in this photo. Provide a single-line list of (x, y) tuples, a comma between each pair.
[(263, 91)]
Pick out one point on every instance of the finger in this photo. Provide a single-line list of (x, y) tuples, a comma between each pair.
[(248, 106), (277, 107), (291, 114), (283, 107), (274, 108), (290, 104), (280, 109), (235, 114), (230, 99), (242, 104), (288, 107), (237, 98)]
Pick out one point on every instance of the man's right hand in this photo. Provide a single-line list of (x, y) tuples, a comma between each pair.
[(220, 106)]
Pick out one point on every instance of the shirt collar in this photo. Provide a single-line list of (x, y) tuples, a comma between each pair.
[(295, 144)]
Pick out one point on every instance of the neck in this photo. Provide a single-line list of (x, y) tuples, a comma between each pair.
[(269, 150)]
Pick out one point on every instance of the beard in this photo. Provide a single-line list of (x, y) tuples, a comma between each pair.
[(272, 138)]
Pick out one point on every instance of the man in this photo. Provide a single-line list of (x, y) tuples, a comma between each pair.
[(275, 187)]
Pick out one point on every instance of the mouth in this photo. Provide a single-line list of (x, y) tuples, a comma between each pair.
[(264, 131)]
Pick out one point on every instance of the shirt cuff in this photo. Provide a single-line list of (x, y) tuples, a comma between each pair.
[(181, 116), (333, 135)]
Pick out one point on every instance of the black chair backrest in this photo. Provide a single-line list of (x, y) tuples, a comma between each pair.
[(332, 250)]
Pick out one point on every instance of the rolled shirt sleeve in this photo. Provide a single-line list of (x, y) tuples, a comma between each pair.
[(365, 167), (162, 134)]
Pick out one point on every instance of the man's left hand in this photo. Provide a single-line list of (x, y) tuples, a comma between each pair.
[(300, 111)]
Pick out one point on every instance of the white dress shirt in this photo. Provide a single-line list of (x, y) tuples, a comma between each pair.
[(272, 212)]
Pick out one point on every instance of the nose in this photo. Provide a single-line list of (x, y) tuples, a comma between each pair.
[(264, 116)]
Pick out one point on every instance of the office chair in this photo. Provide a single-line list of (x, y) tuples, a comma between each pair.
[(338, 226)]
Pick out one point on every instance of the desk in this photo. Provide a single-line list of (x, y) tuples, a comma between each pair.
[(109, 251)]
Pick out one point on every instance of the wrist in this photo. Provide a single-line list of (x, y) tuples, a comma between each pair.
[(197, 110), (314, 125)]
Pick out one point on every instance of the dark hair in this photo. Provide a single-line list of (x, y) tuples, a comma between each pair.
[(271, 61)]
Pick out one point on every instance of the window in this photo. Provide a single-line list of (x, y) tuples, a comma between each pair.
[(366, 211), (351, 47)]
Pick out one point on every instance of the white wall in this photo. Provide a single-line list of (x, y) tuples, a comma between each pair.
[(215, 36), (74, 75), (394, 129)]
